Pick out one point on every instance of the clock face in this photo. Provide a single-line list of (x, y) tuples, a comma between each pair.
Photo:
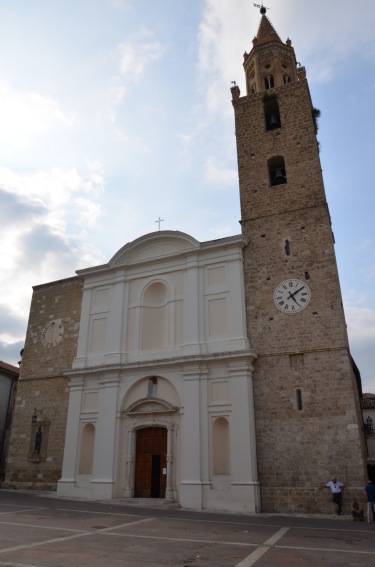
[(291, 296), (52, 333)]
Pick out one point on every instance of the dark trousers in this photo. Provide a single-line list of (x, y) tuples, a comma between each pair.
[(337, 499)]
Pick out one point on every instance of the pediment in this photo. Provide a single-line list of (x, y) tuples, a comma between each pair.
[(154, 245), (150, 405)]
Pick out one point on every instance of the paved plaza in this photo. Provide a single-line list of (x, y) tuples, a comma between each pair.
[(45, 531)]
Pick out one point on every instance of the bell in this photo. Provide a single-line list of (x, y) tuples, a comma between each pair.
[(274, 121), (279, 176)]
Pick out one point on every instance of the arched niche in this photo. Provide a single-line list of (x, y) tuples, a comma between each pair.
[(87, 449), (221, 446), (155, 316), (140, 390)]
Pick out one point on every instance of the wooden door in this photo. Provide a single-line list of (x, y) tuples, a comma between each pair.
[(150, 463)]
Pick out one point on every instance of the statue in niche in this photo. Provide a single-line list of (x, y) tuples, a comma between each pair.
[(38, 441), (152, 390)]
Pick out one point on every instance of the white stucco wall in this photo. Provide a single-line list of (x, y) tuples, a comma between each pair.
[(170, 307)]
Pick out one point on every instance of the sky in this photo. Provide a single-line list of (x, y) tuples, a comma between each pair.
[(117, 113)]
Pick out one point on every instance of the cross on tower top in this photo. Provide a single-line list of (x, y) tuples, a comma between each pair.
[(263, 9)]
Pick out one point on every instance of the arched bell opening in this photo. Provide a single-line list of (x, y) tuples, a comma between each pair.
[(269, 82), (271, 114), (277, 171)]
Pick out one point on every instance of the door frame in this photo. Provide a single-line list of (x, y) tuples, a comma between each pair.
[(150, 463), (151, 413)]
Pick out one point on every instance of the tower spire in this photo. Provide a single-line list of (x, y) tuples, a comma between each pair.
[(266, 31)]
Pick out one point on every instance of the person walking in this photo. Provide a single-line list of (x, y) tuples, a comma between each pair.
[(370, 500), (336, 487)]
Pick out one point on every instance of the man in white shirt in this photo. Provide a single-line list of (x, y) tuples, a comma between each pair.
[(336, 487)]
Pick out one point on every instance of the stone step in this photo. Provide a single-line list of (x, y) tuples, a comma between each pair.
[(147, 502)]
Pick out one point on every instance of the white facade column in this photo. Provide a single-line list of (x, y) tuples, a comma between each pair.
[(244, 483), (72, 436), (236, 306), (130, 458), (106, 438), (169, 491), (84, 326), (191, 308), (117, 320), (204, 432), (191, 485)]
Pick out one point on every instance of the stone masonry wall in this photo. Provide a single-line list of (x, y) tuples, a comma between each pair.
[(23, 469), (43, 390), (298, 447)]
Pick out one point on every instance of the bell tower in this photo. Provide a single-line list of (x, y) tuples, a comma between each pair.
[(306, 385)]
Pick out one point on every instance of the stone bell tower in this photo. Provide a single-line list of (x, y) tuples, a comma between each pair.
[(306, 385)]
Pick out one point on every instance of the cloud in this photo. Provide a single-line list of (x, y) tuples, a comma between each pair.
[(133, 56), (89, 211), (12, 324), (136, 54), (220, 176), (219, 49), (16, 209), (121, 5), (51, 193), (10, 353), (39, 254), (361, 331), (24, 115), (361, 322), (43, 220), (12, 333), (116, 94)]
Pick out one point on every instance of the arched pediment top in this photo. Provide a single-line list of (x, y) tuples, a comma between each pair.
[(154, 245), (150, 405)]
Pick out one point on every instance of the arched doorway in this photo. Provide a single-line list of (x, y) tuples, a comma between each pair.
[(150, 462)]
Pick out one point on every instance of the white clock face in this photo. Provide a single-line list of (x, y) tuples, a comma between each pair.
[(291, 296), (52, 333)]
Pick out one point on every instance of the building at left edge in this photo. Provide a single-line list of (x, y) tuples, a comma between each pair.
[(8, 387)]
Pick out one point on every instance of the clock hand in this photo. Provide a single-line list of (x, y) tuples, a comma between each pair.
[(291, 296), (300, 289)]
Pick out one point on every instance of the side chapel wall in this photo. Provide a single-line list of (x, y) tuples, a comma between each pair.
[(42, 387)]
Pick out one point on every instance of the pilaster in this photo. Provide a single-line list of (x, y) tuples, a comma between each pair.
[(106, 437)]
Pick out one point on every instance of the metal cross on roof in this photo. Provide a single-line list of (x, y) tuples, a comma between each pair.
[(159, 221), (263, 9)]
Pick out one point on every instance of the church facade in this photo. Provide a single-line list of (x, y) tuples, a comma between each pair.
[(216, 375)]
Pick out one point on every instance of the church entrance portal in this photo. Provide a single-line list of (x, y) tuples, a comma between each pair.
[(150, 463)]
